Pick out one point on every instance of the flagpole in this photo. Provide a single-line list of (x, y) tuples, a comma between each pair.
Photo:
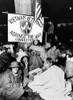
[(35, 10), (46, 38)]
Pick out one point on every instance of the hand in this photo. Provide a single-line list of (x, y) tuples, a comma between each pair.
[(31, 77), (26, 81)]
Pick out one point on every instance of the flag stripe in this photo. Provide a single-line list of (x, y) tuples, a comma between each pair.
[(38, 8), (38, 14)]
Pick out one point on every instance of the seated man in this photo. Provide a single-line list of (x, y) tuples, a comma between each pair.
[(11, 83), (50, 83)]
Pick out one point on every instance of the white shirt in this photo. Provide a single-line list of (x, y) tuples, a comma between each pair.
[(50, 84)]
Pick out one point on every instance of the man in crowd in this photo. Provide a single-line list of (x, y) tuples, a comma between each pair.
[(50, 83), (11, 83)]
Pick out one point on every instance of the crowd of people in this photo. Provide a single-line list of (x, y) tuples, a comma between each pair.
[(36, 72)]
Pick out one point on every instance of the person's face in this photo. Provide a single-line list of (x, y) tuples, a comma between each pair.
[(35, 42), (25, 60), (14, 70), (9, 50), (25, 46), (46, 65)]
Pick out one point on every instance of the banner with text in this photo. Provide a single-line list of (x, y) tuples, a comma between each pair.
[(23, 28)]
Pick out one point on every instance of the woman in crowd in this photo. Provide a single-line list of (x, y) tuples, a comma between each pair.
[(25, 63)]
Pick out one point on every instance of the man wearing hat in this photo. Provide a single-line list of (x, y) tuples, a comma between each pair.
[(11, 83)]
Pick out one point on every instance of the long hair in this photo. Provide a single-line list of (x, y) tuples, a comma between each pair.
[(23, 58), (22, 62)]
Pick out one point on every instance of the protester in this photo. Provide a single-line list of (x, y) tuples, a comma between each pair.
[(25, 66), (35, 60), (50, 84), (53, 53), (11, 83)]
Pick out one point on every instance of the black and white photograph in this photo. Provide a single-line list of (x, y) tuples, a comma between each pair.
[(36, 49)]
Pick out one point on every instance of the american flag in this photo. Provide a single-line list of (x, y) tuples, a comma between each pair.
[(38, 15)]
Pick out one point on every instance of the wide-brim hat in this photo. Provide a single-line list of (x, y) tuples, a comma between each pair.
[(14, 64)]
